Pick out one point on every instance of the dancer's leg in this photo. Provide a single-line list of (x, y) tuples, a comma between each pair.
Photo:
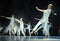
[(23, 32), (39, 28), (13, 33), (18, 32), (36, 26), (45, 30), (29, 31), (9, 32)]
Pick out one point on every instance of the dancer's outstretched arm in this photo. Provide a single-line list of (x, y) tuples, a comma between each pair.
[(5, 17), (54, 13), (39, 9), (36, 19), (17, 20)]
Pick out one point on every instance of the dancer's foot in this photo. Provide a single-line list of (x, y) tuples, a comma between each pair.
[(46, 36), (31, 32)]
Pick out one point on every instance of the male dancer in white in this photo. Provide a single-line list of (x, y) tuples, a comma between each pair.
[(21, 25), (10, 27), (44, 20)]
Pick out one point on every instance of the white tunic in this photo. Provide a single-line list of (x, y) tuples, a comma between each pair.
[(46, 15), (21, 25), (45, 18), (11, 25)]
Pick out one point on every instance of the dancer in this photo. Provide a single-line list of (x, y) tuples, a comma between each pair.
[(10, 26), (44, 20), (21, 25), (28, 27)]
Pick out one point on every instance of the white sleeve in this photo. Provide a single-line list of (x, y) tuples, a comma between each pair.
[(8, 17), (45, 10), (17, 20)]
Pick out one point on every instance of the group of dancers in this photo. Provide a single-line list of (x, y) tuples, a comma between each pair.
[(43, 23)]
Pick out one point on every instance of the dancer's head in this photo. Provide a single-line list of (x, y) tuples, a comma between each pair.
[(21, 19), (50, 6), (12, 15)]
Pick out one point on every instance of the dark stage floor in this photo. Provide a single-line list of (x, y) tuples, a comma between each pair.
[(29, 38)]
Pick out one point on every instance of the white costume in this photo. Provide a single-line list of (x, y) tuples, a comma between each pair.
[(10, 26), (21, 26), (28, 27), (44, 21)]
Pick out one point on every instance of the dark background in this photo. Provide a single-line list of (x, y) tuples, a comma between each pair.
[(26, 10)]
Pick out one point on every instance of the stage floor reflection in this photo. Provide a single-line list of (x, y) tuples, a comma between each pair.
[(29, 38)]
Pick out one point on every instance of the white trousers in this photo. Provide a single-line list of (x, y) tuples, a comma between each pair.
[(44, 26)]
